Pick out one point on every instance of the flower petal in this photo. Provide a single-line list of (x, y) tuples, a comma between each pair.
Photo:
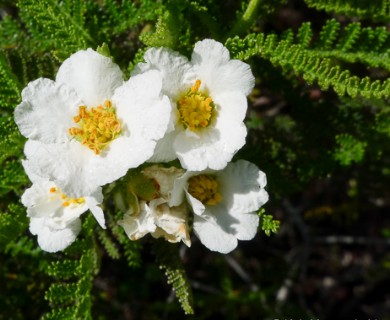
[(247, 225), (231, 105), (197, 206), (213, 236), (65, 164), (46, 111), (138, 102), (210, 53), (93, 76), (52, 240), (213, 148), (242, 187), (164, 151), (37, 202), (175, 69), (214, 68), (93, 202)]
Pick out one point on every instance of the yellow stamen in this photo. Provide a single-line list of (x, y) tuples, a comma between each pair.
[(97, 126), (204, 187), (66, 201), (196, 86), (195, 108)]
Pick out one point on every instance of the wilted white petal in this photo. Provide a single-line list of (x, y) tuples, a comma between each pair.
[(138, 225)]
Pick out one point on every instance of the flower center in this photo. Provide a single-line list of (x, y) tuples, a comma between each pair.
[(97, 126), (66, 201), (195, 108), (204, 188)]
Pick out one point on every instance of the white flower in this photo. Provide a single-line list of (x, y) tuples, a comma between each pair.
[(156, 216), (54, 217), (208, 96), (87, 128), (224, 203)]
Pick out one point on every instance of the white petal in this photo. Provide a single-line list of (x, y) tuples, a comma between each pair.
[(231, 105), (122, 154), (54, 240), (213, 236), (213, 148), (247, 226), (178, 192), (30, 173), (210, 53), (65, 164), (93, 202), (164, 151), (37, 200), (98, 214), (197, 206), (46, 111), (175, 69), (242, 187), (93, 76), (214, 68), (234, 76), (141, 106)]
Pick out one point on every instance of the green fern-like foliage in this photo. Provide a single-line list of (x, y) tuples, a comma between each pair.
[(131, 250), (167, 256), (378, 10), (65, 20), (315, 60), (13, 222), (350, 150), (9, 93)]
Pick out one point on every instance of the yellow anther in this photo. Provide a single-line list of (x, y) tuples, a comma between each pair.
[(107, 104), (196, 109), (66, 201), (196, 86), (71, 201), (97, 126), (204, 187)]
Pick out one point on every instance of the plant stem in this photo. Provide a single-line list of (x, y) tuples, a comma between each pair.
[(246, 20)]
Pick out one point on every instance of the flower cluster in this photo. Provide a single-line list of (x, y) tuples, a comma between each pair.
[(90, 127)]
